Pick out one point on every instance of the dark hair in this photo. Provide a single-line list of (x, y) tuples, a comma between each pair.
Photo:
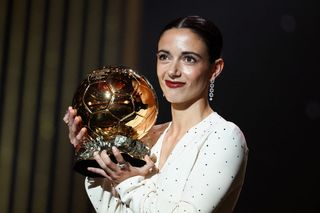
[(204, 28)]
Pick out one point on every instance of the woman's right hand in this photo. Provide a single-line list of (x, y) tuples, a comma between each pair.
[(77, 133)]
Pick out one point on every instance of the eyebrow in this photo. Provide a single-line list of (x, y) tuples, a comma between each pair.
[(164, 51), (191, 53), (183, 53)]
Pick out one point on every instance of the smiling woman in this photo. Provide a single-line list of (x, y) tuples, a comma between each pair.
[(201, 156), (184, 67)]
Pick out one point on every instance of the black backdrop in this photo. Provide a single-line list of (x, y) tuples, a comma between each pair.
[(269, 87)]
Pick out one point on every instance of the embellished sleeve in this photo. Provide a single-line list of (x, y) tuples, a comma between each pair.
[(217, 175), (106, 198), (203, 177), (132, 195), (213, 175)]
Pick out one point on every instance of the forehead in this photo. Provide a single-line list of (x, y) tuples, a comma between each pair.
[(181, 38)]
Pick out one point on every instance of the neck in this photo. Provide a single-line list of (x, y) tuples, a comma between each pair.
[(185, 116)]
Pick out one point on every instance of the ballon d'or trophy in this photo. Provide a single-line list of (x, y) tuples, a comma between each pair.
[(118, 107)]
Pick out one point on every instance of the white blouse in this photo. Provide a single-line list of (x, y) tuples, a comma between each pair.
[(204, 173)]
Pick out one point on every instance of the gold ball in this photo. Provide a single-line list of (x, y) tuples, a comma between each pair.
[(116, 100)]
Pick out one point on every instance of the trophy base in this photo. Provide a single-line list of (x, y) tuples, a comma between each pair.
[(81, 166)]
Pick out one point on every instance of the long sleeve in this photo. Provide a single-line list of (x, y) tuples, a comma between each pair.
[(135, 194), (204, 173), (217, 175), (103, 196)]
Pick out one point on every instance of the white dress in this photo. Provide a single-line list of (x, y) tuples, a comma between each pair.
[(204, 173)]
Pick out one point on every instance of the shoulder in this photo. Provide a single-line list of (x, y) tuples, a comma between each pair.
[(227, 141), (227, 131)]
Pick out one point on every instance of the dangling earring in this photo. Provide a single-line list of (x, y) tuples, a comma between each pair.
[(211, 90)]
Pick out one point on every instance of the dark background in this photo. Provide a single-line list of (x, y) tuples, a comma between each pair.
[(269, 88)]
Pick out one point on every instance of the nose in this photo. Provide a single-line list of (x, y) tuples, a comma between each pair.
[(174, 70)]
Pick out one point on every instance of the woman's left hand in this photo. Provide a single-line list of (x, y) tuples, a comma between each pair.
[(118, 172)]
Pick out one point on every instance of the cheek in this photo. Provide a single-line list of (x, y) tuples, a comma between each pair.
[(198, 80), (189, 71), (160, 71), (193, 74)]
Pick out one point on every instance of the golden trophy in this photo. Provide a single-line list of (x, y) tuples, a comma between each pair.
[(118, 107)]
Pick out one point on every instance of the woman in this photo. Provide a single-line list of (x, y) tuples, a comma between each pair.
[(201, 157)]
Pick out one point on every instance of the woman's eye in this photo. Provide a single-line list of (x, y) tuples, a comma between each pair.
[(162, 57), (190, 59)]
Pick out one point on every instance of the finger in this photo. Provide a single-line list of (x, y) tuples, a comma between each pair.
[(118, 155), (73, 141), (72, 114), (150, 167), (100, 172), (66, 116), (153, 157), (81, 135), (75, 126), (108, 162), (79, 138), (149, 163), (102, 163)]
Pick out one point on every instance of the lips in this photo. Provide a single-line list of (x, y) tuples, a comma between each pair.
[(174, 84)]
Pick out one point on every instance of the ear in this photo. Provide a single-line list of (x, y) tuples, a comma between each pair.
[(217, 68)]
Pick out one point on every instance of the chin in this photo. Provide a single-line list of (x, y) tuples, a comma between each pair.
[(171, 100), (175, 100)]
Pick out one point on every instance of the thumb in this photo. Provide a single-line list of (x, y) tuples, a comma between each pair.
[(149, 162), (150, 168)]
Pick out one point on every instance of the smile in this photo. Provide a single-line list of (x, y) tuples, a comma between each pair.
[(174, 84)]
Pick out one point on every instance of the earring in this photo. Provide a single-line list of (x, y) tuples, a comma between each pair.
[(211, 90)]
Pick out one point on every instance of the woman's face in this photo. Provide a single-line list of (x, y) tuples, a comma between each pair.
[(183, 66)]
